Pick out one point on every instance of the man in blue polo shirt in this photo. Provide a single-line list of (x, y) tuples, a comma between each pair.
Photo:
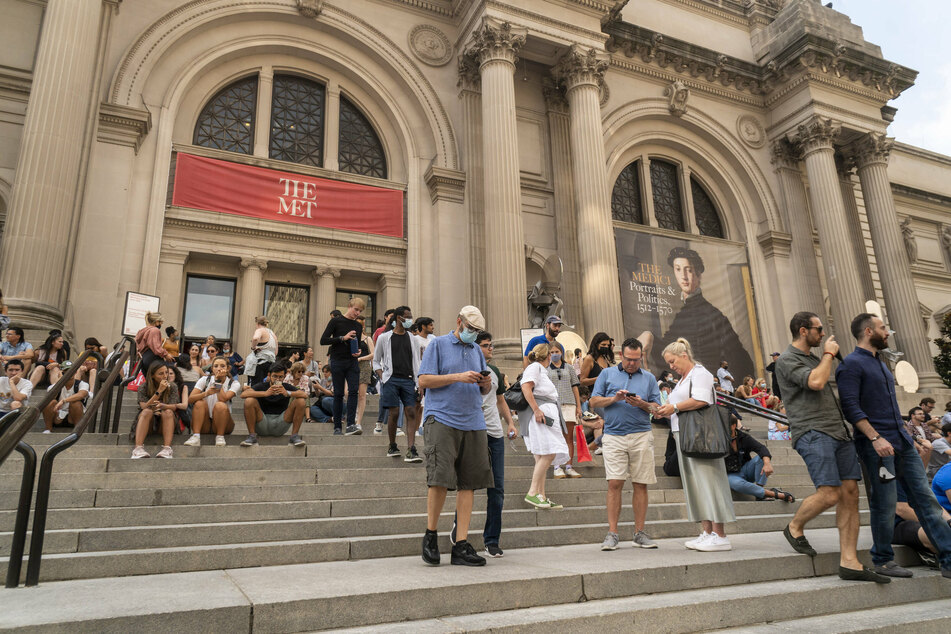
[(454, 374), (552, 327), (627, 392), (867, 394)]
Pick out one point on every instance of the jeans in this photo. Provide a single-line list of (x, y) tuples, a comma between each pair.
[(749, 480), (495, 495), (322, 410), (345, 372), (907, 466)]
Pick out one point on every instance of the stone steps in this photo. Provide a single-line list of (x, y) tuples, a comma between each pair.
[(920, 617)]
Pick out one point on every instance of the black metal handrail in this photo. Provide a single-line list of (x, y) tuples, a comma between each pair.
[(46, 474), (107, 412), (749, 408)]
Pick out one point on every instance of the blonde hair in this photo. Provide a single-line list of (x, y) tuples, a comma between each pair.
[(357, 302), (297, 365), (540, 351), (153, 318), (679, 348)]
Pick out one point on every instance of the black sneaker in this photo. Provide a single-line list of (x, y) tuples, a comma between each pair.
[(353, 430), (463, 554), (493, 550), (431, 548), (412, 455), (338, 431), (393, 451)]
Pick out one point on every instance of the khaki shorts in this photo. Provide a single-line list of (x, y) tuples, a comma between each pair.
[(456, 459), (630, 456), (568, 413), (272, 425)]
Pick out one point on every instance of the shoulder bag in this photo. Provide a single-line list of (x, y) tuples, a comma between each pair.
[(704, 432), (514, 397)]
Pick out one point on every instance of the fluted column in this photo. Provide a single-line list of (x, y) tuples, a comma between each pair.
[(901, 301), (251, 286), (496, 45), (41, 218), (581, 71), (471, 96), (326, 278), (845, 166)]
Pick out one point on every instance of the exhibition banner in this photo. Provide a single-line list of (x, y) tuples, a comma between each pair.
[(690, 288), (257, 192)]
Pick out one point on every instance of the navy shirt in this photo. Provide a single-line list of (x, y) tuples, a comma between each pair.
[(457, 405), (534, 341), (867, 390), (622, 418)]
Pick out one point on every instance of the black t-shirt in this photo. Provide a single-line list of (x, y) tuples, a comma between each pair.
[(274, 404), (333, 335), (402, 350)]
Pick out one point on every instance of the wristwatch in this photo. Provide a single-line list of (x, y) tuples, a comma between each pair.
[(676, 409)]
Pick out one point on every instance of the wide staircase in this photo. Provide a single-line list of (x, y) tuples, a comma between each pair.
[(287, 539)]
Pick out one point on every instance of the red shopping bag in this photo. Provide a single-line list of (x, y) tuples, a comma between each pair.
[(136, 383), (583, 454)]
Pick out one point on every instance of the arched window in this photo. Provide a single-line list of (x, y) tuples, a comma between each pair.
[(705, 212), (665, 184), (626, 197), (297, 120), (227, 120), (360, 150)]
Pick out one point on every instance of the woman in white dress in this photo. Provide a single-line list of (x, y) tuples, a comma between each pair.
[(544, 433), (705, 483)]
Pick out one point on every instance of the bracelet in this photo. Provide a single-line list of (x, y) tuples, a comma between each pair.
[(828, 353), (876, 438)]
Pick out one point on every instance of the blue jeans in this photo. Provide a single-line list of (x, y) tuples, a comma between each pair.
[(907, 466), (345, 372), (749, 480), (495, 495), (322, 410)]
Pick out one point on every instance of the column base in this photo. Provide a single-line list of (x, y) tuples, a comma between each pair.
[(930, 381), (31, 315)]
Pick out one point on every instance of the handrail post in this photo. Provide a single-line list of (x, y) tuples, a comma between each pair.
[(23, 514)]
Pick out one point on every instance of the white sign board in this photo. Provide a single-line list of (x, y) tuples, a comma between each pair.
[(528, 334), (136, 306)]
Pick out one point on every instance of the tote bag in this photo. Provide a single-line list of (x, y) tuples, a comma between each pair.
[(705, 432)]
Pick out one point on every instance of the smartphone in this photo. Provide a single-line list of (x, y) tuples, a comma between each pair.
[(549, 421), (484, 373)]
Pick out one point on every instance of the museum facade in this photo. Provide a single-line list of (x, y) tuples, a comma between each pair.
[(240, 157)]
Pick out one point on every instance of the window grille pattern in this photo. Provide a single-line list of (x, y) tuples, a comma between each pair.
[(666, 189), (705, 212), (227, 120), (360, 150), (297, 120), (286, 307), (626, 197)]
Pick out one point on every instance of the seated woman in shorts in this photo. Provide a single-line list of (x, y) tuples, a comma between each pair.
[(66, 410), (159, 401), (211, 403)]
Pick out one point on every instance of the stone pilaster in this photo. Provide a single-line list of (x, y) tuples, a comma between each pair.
[(325, 279), (816, 138), (581, 71), (262, 117), (495, 45), (470, 94), (251, 293), (901, 301), (42, 214)]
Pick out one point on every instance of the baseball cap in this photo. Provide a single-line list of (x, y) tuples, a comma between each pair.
[(774, 354), (473, 316), (554, 319)]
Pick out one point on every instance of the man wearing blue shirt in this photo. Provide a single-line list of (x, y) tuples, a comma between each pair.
[(454, 374), (552, 327), (867, 393), (627, 392)]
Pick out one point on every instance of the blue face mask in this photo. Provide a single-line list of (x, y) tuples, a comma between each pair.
[(467, 336), (556, 358), (407, 323)]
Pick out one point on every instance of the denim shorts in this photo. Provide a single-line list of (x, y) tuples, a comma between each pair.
[(398, 390), (829, 460)]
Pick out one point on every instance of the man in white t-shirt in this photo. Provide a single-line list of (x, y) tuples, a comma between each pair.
[(69, 408), (211, 400), (14, 389), (726, 379), (940, 451)]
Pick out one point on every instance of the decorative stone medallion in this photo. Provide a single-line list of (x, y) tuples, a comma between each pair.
[(751, 131), (604, 93), (430, 45)]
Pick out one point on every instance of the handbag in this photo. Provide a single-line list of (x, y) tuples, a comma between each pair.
[(704, 432), (514, 397)]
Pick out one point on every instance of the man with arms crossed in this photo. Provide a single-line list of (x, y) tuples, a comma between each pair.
[(867, 391), (820, 436), (454, 374)]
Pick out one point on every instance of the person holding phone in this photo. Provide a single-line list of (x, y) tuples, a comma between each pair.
[(544, 431), (274, 406), (343, 334), (212, 398)]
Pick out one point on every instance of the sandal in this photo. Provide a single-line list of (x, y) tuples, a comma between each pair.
[(787, 496)]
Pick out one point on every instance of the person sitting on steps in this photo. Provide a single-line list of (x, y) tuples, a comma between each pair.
[(273, 406), (211, 400)]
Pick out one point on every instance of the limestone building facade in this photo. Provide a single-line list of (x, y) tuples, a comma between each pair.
[(511, 131)]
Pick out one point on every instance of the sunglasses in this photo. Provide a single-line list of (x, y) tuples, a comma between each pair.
[(816, 328), (487, 345)]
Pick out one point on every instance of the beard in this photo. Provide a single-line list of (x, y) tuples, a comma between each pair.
[(878, 342)]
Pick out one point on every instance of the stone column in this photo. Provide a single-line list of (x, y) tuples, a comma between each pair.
[(581, 71), (495, 45), (326, 279), (42, 214), (471, 97), (845, 167), (816, 138), (251, 288), (799, 225), (901, 301), (262, 116)]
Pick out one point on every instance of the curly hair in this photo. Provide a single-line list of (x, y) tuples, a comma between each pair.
[(688, 254)]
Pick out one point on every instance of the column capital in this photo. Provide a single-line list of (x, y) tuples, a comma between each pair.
[(775, 243), (174, 256), (784, 154), (496, 40), (815, 134), (871, 148), (844, 166), (445, 184), (469, 77), (555, 101), (253, 262), (325, 271), (580, 66)]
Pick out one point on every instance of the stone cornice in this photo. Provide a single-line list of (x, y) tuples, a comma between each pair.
[(923, 154), (122, 125), (922, 195), (445, 184), (310, 8), (15, 82), (775, 243), (580, 66)]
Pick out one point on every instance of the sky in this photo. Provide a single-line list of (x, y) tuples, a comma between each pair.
[(913, 33)]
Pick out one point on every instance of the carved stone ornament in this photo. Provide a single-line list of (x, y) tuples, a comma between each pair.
[(908, 235), (469, 76), (254, 262), (677, 94), (818, 133), (605, 93), (580, 66), (785, 154), (497, 40), (430, 45), (310, 8), (872, 148), (751, 131)]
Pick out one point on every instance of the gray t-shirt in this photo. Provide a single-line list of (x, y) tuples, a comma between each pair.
[(490, 405), (938, 456), (807, 409)]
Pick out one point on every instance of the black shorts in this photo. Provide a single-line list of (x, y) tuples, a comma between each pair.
[(455, 458), (906, 534)]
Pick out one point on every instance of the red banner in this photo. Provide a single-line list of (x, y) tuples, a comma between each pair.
[(232, 188)]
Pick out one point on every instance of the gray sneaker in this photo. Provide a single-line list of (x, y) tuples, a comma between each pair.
[(296, 440), (641, 540), (610, 542), (891, 569)]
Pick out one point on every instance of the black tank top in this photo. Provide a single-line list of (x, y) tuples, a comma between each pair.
[(595, 370)]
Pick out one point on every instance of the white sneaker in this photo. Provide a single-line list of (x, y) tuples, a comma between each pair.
[(47, 431), (693, 543), (165, 453), (714, 543), (399, 432), (559, 473), (571, 473), (220, 441), (139, 452), (378, 429), (194, 441)]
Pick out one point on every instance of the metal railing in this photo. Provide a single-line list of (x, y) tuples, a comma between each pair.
[(109, 411), (746, 407)]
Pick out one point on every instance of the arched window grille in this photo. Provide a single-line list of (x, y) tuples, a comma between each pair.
[(626, 197), (665, 184), (297, 120), (359, 150), (705, 212), (227, 120)]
